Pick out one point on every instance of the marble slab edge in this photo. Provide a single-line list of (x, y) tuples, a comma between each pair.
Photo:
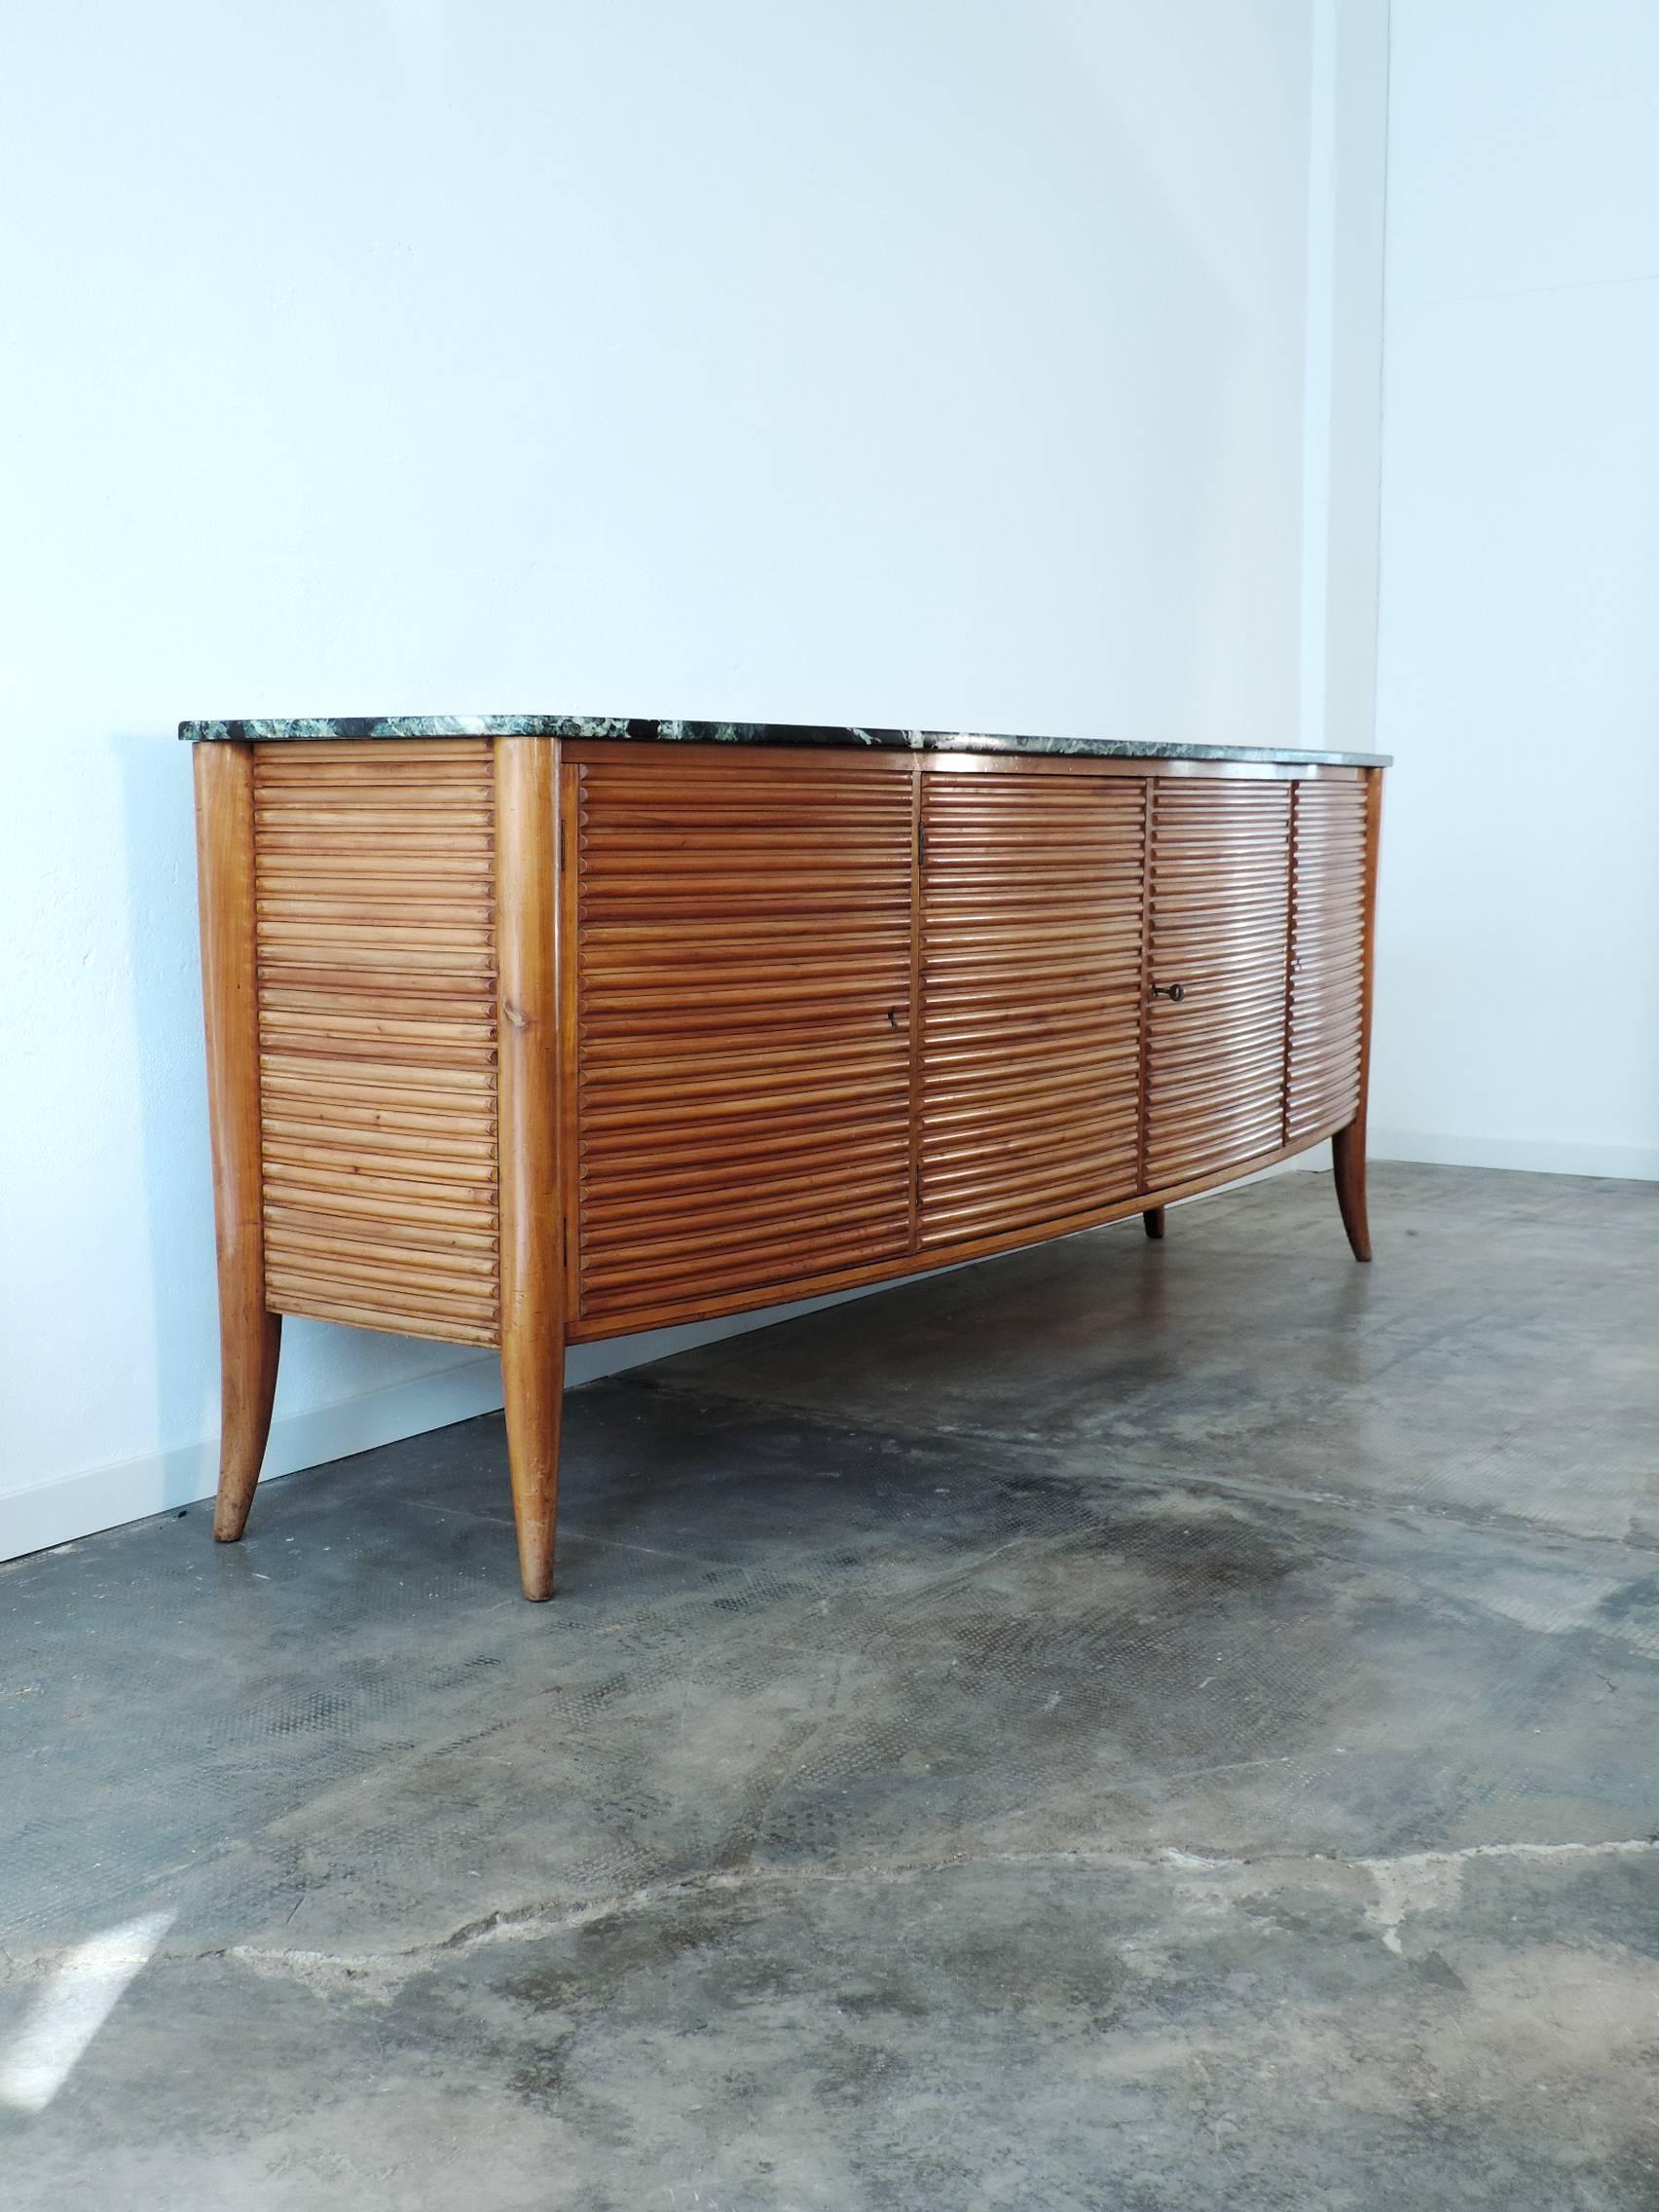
[(310, 729)]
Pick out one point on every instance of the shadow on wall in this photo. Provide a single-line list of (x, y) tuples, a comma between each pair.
[(160, 854)]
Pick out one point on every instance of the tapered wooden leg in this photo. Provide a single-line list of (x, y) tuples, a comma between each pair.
[(1347, 1146), (1347, 1160), (1154, 1219), (250, 1343), (532, 1310), (534, 1390), (249, 1337)]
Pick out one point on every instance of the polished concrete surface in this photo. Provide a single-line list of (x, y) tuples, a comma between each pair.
[(1119, 1728)]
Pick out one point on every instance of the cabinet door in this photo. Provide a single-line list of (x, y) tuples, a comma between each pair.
[(1033, 910), (1327, 956), (739, 1002), (1219, 920)]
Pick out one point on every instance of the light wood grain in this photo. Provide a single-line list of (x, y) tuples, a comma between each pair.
[(532, 1307), (1327, 956), (1029, 1066), (523, 1044), (250, 1333), (1219, 899), (740, 1007), (379, 1035)]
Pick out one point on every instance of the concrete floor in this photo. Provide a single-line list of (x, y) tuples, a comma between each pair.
[(1125, 1727)]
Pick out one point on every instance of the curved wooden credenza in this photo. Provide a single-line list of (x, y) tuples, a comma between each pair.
[(533, 1036)]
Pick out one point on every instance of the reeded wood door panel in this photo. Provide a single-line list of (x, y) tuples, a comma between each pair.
[(1327, 956), (1220, 883), (1032, 922), (373, 877), (741, 1026)]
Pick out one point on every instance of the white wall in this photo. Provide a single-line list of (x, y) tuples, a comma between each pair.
[(1343, 418), (1518, 993), (929, 361)]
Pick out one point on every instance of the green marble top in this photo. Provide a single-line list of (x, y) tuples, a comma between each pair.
[(312, 727)]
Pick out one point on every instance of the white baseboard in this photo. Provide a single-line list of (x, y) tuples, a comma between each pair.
[(103, 1497), (70, 1506), (1538, 1155)]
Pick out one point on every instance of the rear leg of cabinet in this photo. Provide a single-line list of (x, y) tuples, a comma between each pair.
[(1347, 1162)]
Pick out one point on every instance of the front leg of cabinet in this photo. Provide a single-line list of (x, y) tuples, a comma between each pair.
[(1154, 1219), (249, 1337), (1347, 1161), (533, 1306), (532, 1378)]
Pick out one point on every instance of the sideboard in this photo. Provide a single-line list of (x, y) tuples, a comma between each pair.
[(532, 1029)]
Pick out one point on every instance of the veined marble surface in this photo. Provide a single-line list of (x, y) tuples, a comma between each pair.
[(750, 733)]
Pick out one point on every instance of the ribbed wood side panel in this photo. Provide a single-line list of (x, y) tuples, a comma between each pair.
[(742, 1017), (374, 870), (1327, 967), (1220, 917), (1032, 925)]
